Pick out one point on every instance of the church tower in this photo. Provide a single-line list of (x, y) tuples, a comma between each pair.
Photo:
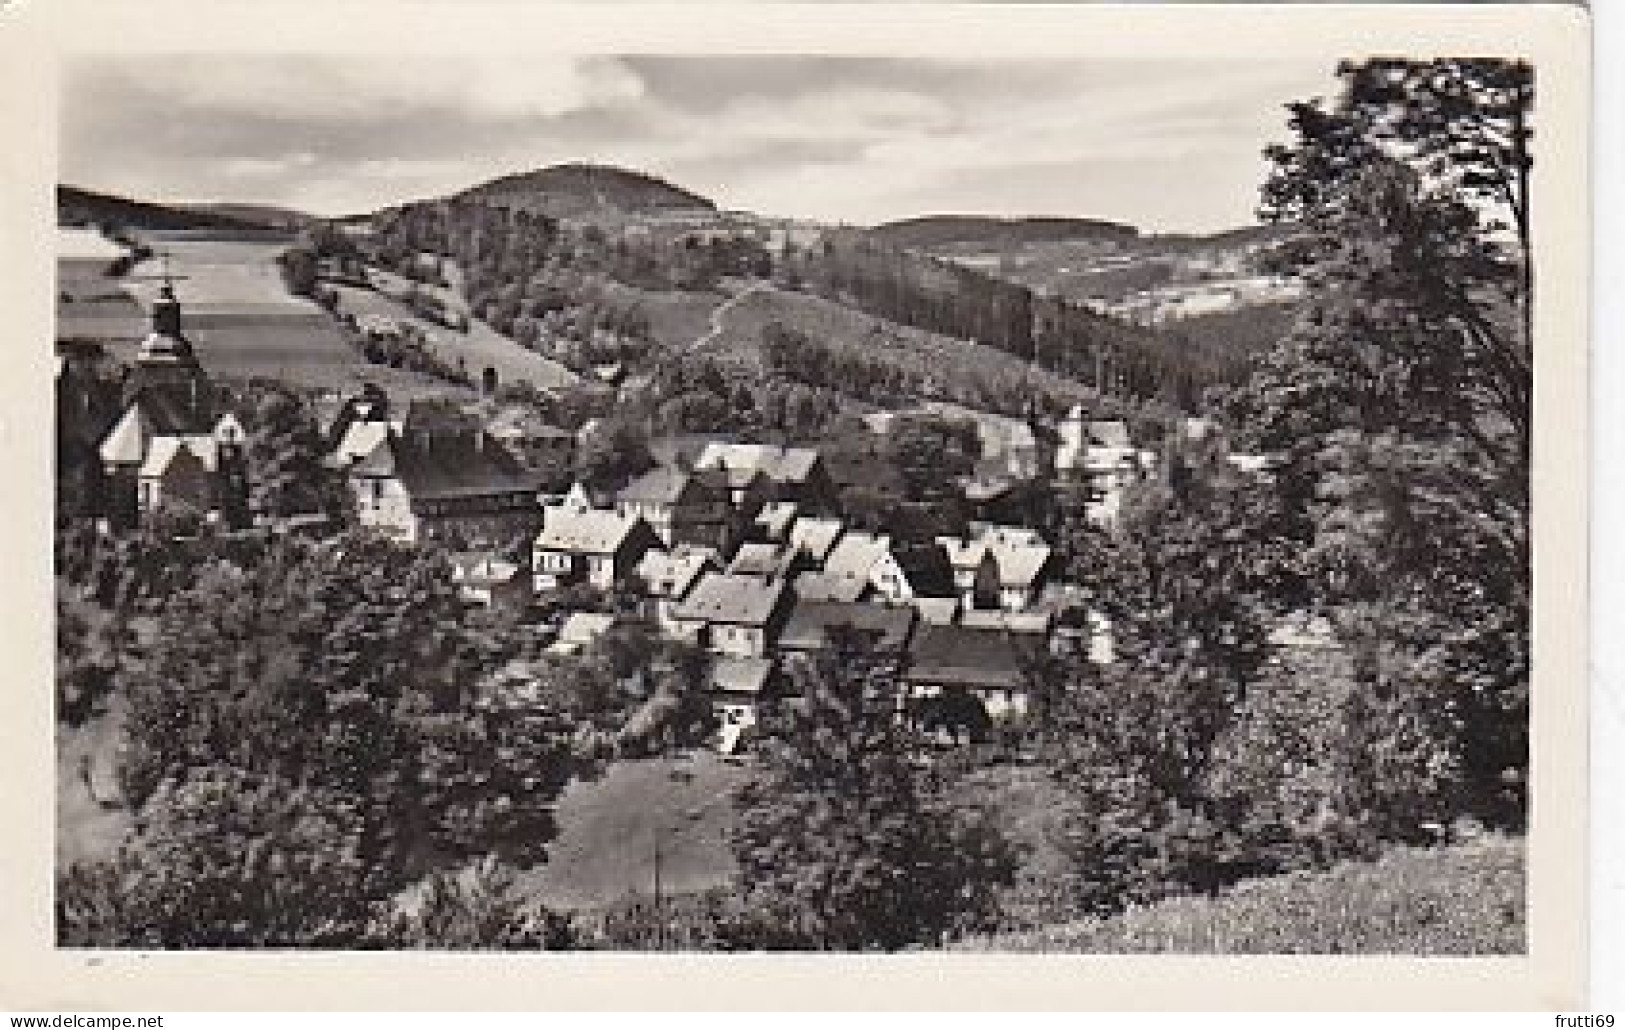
[(166, 375)]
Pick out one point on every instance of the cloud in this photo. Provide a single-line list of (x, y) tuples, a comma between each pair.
[(839, 138)]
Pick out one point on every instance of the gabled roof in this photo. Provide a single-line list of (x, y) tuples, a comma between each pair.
[(360, 440), (856, 554), (164, 450), (1020, 566), (974, 657), (938, 611), (734, 599), (776, 517), (660, 485), (808, 628), (126, 443), (1019, 553), (581, 629), (483, 568), (822, 586), (671, 574), (594, 531), (780, 464), (760, 560), (1109, 432), (815, 537), (456, 466), (741, 675), (927, 568)]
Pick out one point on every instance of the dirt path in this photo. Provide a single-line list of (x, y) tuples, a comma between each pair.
[(721, 312)]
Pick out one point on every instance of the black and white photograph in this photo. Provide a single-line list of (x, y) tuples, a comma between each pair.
[(796, 501)]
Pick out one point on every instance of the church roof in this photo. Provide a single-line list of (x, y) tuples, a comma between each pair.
[(126, 442), (166, 449)]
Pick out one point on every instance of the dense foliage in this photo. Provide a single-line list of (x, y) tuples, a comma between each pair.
[(843, 842), (343, 676)]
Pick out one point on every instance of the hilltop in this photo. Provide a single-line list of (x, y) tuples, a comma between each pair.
[(577, 190), (269, 215), (944, 230)]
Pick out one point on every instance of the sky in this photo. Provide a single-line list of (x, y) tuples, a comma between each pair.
[(1163, 146)]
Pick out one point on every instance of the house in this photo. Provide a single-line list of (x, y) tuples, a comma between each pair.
[(668, 576), (774, 520), (737, 687), (186, 473), (987, 663), (996, 566), (767, 560), (1100, 454), (594, 546), (542, 446), (172, 445), (733, 615), (816, 538), (684, 507), (490, 580), (865, 558), (580, 631), (884, 628), (897, 573), (925, 571), (438, 479), (825, 586), (792, 473)]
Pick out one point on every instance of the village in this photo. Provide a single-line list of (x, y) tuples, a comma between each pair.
[(738, 550)]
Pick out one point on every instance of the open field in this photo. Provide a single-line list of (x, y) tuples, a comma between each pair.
[(608, 830), (480, 348), (238, 314), (1462, 900)]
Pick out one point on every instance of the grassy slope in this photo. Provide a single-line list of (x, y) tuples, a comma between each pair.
[(608, 827), (1461, 900)]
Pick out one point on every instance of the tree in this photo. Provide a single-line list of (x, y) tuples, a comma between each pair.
[(284, 456), (298, 266), (358, 670), (844, 842), (931, 452), (227, 858), (1400, 404), (473, 909), (611, 455)]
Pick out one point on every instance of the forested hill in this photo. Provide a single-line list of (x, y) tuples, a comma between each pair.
[(575, 190), (945, 230), (82, 207)]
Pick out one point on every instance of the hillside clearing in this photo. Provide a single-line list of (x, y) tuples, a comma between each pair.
[(957, 368)]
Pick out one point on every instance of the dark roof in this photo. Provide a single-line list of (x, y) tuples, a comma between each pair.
[(168, 413), (457, 466), (927, 567), (439, 418), (810, 621), (989, 659)]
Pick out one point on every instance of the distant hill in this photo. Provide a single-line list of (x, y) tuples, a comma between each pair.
[(267, 215), (82, 207), (981, 230), (578, 190)]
